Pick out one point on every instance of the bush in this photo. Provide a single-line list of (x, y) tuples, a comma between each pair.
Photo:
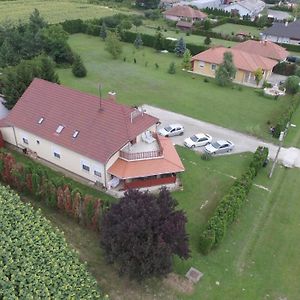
[(292, 85), (284, 68), (78, 68), (172, 68), (227, 209), (206, 156)]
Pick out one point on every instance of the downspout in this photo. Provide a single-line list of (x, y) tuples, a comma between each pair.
[(13, 127), (105, 183)]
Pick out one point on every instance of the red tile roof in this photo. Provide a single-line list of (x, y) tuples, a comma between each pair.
[(241, 59), (169, 163), (263, 48), (101, 132), (185, 11)]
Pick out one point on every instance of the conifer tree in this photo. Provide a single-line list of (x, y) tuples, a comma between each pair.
[(138, 43), (180, 47), (103, 33), (186, 61), (78, 68)]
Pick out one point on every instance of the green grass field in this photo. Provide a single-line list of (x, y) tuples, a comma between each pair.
[(242, 109), (194, 39), (54, 11), (293, 136), (258, 258), (229, 28)]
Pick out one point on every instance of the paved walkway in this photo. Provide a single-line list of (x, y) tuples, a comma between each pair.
[(243, 142)]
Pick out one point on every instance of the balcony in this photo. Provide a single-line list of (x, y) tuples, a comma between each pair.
[(142, 150)]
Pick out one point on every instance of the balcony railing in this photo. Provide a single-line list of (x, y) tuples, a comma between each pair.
[(141, 155)]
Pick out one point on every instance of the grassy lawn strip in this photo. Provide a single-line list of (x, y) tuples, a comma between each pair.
[(239, 108), (293, 136), (55, 11), (235, 28)]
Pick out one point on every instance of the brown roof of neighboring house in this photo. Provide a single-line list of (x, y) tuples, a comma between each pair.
[(241, 59), (101, 132), (185, 11), (263, 48), (169, 163)]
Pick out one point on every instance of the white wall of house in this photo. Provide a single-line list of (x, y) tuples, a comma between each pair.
[(172, 18), (56, 154), (278, 39)]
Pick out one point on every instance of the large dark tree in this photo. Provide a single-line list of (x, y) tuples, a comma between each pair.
[(226, 71), (180, 47), (142, 232), (78, 68), (47, 70)]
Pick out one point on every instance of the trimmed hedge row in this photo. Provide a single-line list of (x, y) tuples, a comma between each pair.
[(288, 47), (56, 191), (228, 208), (286, 116)]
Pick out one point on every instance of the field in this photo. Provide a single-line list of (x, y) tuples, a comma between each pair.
[(229, 28), (239, 108), (54, 11), (195, 39), (293, 136), (257, 259)]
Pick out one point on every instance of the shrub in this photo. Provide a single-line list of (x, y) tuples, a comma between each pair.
[(78, 68), (292, 84), (207, 241), (172, 68), (206, 156), (205, 80)]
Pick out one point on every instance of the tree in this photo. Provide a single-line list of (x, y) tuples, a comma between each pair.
[(138, 43), (186, 61), (142, 232), (36, 22), (207, 41), (226, 71), (180, 47), (137, 21), (47, 69), (147, 4), (172, 68), (126, 24), (159, 41), (292, 84), (103, 33), (262, 21), (113, 45), (78, 68), (258, 75), (206, 25), (8, 56)]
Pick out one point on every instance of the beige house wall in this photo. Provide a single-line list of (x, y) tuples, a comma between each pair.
[(242, 76)]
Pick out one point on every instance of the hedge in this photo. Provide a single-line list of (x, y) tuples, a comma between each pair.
[(289, 47), (228, 208), (286, 116), (37, 181)]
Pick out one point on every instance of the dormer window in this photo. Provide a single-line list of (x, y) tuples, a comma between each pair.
[(75, 133), (59, 129), (41, 120)]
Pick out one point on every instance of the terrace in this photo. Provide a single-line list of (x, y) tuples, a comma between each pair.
[(142, 150)]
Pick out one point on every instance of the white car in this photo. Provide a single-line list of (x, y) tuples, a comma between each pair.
[(220, 146), (172, 130), (197, 140)]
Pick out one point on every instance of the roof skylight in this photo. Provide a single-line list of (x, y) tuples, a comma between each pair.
[(75, 133), (41, 120), (59, 129)]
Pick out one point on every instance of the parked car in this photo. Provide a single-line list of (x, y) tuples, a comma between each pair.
[(197, 140), (218, 147), (172, 130)]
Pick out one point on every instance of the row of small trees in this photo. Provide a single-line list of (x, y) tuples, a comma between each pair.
[(35, 181), (228, 208)]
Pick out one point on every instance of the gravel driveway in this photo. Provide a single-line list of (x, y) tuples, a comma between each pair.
[(243, 142)]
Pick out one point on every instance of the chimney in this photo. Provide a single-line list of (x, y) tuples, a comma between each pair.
[(112, 96)]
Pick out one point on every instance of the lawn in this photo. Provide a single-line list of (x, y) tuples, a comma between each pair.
[(54, 11), (228, 28), (239, 108), (194, 39), (293, 136), (258, 256)]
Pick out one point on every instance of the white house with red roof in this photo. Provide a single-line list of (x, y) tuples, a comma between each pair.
[(98, 139)]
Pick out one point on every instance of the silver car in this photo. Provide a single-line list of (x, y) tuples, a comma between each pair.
[(219, 147), (172, 130)]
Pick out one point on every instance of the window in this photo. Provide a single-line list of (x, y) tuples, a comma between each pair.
[(75, 134), (57, 155), (40, 121), (201, 64), (25, 141), (213, 67), (97, 173), (85, 168), (38, 142), (59, 129)]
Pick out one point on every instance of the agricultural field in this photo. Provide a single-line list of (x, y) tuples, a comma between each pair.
[(55, 11), (239, 108), (36, 262), (194, 39), (255, 260), (229, 28)]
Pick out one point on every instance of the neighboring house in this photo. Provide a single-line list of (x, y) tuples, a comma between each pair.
[(207, 62), (277, 15), (166, 4), (184, 13), (263, 48), (203, 3), (99, 140), (286, 33), (245, 7)]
